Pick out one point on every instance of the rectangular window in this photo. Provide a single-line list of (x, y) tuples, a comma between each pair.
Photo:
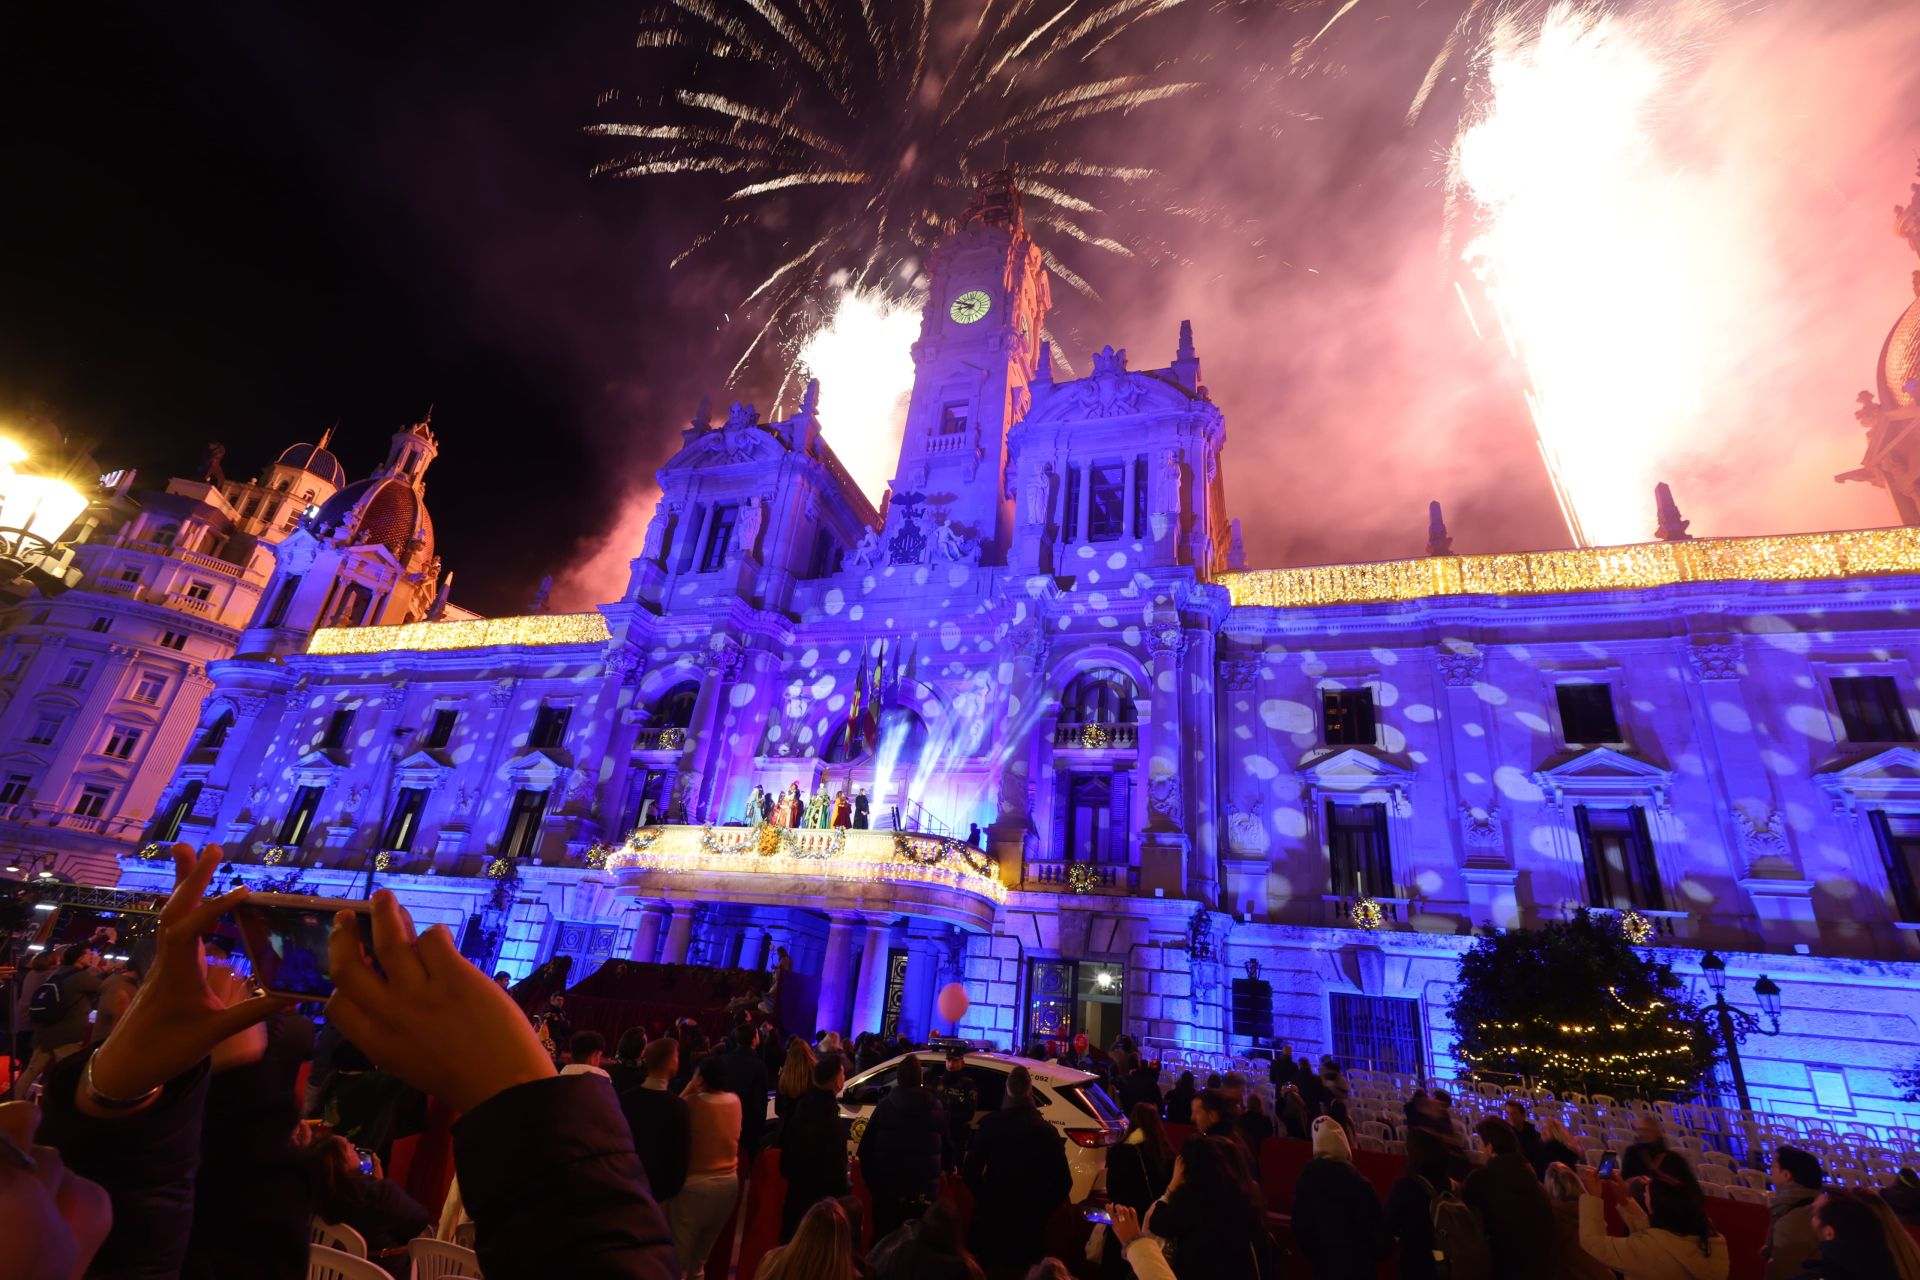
[(1089, 816), (45, 729), (549, 726), (523, 823), (14, 789), (1140, 496), (404, 823), (197, 590), (121, 742), (299, 820), (1359, 863), (77, 673), (719, 536), (101, 624), (1347, 717), (1106, 501), (283, 600), (149, 688), (953, 419), (1899, 838), (130, 574), (440, 732), (339, 725), (1870, 709), (168, 828), (173, 639), (92, 802), (1621, 868), (1586, 714), (1377, 1033), (1070, 519)]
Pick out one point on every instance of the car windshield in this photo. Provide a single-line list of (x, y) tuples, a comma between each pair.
[(1093, 1100)]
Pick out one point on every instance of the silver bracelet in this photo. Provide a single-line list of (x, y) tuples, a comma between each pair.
[(105, 1103)]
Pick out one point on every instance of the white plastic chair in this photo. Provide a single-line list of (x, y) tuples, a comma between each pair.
[(1713, 1175), (337, 1235), (332, 1264), (433, 1259)]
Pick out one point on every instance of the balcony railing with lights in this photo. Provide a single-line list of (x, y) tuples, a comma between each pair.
[(832, 855)]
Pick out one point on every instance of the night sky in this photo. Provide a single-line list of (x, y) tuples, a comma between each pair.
[(246, 223)]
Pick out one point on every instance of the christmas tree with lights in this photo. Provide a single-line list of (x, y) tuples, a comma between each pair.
[(1574, 1006)]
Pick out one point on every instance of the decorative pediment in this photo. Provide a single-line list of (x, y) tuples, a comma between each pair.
[(1599, 773), (1354, 769), (1885, 775), (540, 767), (422, 769), (1110, 393), (317, 768), (727, 446)]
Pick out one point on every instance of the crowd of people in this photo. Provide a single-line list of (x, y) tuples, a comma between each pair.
[(170, 1141)]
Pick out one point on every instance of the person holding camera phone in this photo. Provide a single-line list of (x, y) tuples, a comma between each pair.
[(532, 1150)]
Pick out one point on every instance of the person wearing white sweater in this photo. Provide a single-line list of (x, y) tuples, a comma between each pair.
[(1668, 1239)]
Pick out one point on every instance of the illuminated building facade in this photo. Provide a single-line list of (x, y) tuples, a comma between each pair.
[(1213, 802)]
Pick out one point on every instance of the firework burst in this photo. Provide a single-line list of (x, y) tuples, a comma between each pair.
[(845, 128)]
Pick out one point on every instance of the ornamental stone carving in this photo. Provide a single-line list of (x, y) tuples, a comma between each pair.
[(1163, 797), (1715, 659), (1480, 830), (724, 662), (1460, 666), (1765, 838), (1246, 833), (502, 692), (623, 662), (1240, 675), (395, 695), (1167, 641)]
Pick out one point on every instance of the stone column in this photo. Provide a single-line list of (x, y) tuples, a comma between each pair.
[(679, 936), (1203, 791), (722, 664), (1163, 839), (832, 1015), (753, 947), (646, 933), (870, 993)]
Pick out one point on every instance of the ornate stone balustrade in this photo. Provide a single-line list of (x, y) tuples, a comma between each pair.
[(836, 868), (467, 633), (1080, 877), (1798, 557)]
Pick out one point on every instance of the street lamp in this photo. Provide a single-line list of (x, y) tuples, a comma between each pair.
[(1737, 1024), (37, 506)]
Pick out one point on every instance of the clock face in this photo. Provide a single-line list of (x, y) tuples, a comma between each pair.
[(971, 306)]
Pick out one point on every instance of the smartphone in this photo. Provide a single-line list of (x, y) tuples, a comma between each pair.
[(1099, 1215), (366, 1160), (1607, 1165), (286, 940)]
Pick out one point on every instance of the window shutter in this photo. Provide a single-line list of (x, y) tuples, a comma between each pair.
[(1363, 716), (1596, 886), (1339, 876), (1651, 895), (1380, 858), (1118, 824), (1070, 527), (1062, 801), (1906, 902)]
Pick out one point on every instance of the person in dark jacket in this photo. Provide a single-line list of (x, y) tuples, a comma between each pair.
[(1255, 1126), (530, 1149), (1281, 1071), (1313, 1090), (813, 1145), (1409, 1212), (1511, 1203), (1337, 1221), (746, 1072), (626, 1070), (1638, 1160), (961, 1098), (1853, 1245), (1139, 1168), (659, 1121), (934, 1248), (1528, 1136), (1178, 1107), (1018, 1173), (904, 1149), (380, 1210), (1212, 1214), (1142, 1084)]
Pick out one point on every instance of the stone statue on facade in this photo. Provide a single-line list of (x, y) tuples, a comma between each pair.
[(1671, 527), (1906, 219), (656, 541), (540, 595), (742, 415), (753, 518), (866, 552), (1439, 541), (1040, 495), (954, 545)]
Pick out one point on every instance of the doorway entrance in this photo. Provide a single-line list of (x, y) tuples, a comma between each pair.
[(1066, 998)]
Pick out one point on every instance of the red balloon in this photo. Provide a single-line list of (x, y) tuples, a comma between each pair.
[(953, 1002)]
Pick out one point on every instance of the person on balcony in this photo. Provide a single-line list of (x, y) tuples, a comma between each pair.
[(842, 809)]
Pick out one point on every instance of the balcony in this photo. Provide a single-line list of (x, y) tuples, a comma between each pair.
[(199, 560), (1095, 736), (1080, 877), (45, 816), (1346, 912), (665, 738), (836, 869)]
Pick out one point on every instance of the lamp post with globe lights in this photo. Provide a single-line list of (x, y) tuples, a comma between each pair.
[(38, 505), (1735, 1023)]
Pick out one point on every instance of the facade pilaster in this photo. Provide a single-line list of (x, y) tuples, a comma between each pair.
[(835, 973)]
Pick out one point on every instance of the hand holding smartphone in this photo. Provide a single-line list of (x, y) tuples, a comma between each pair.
[(286, 937)]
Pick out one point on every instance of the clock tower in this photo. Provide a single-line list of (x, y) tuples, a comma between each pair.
[(976, 357)]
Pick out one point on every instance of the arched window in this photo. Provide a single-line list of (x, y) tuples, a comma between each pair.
[(1103, 695), (902, 739), (216, 733), (674, 708)]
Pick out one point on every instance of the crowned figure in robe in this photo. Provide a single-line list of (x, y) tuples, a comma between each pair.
[(842, 809), (756, 805), (791, 808)]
